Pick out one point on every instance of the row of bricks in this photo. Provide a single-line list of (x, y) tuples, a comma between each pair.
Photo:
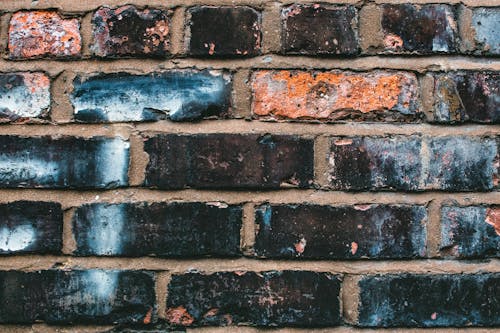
[(253, 161), (270, 298), (186, 95), (301, 231), (237, 31)]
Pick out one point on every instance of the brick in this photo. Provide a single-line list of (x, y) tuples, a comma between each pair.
[(224, 31), (229, 161), (419, 29), (319, 29), (485, 28), (24, 95), (160, 229), (126, 31), (30, 227), (273, 298), (359, 231), (179, 95), (413, 163), (156, 328), (467, 97), (41, 34), (64, 297), (64, 162), (335, 95), (430, 300), (470, 231)]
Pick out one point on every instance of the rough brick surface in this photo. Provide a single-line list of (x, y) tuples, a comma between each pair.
[(38, 34), (224, 31), (467, 96), (319, 29), (340, 232), (23, 95), (63, 297), (419, 29), (470, 231), (430, 300), (65, 162), (126, 31), (179, 95), (485, 27), (30, 227), (414, 163), (161, 229), (291, 298), (229, 161), (377, 95)]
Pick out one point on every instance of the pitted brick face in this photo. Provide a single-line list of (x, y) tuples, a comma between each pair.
[(40, 34)]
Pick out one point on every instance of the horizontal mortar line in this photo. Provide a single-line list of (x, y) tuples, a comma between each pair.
[(270, 61), (208, 265)]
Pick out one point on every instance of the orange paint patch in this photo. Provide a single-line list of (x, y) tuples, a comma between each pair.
[(300, 246), (147, 318), (434, 316), (36, 81), (179, 316), (493, 218), (343, 142), (354, 247), (393, 42)]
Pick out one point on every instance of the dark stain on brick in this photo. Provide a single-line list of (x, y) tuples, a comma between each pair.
[(274, 298)]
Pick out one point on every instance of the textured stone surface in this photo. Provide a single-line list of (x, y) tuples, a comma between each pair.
[(320, 29), (160, 229), (179, 95), (224, 31), (419, 29), (65, 162), (430, 300), (23, 95), (229, 161), (30, 226), (471, 231), (274, 298), (335, 95), (37, 34), (485, 25), (126, 31), (340, 232), (63, 297)]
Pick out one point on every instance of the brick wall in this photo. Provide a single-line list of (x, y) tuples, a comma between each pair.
[(188, 165)]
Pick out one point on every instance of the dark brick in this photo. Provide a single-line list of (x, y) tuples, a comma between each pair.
[(229, 161), (63, 297), (430, 300), (320, 29), (157, 328), (160, 229), (284, 298), (472, 231), (485, 30), (467, 96), (179, 95), (420, 29), (224, 31), (126, 31), (30, 226), (360, 231), (413, 163), (64, 162)]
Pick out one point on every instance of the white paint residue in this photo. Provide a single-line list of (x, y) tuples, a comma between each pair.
[(113, 162), (22, 167), (17, 238), (99, 291), (106, 232), (24, 103)]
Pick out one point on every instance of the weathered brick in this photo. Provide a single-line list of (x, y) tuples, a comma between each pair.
[(413, 163), (359, 231), (179, 95), (430, 300), (38, 34), (156, 328), (467, 96), (63, 297), (160, 229), (274, 298), (30, 226), (485, 28), (229, 161), (23, 95), (64, 162), (126, 31), (335, 95), (470, 231), (419, 29), (320, 29), (224, 31)]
